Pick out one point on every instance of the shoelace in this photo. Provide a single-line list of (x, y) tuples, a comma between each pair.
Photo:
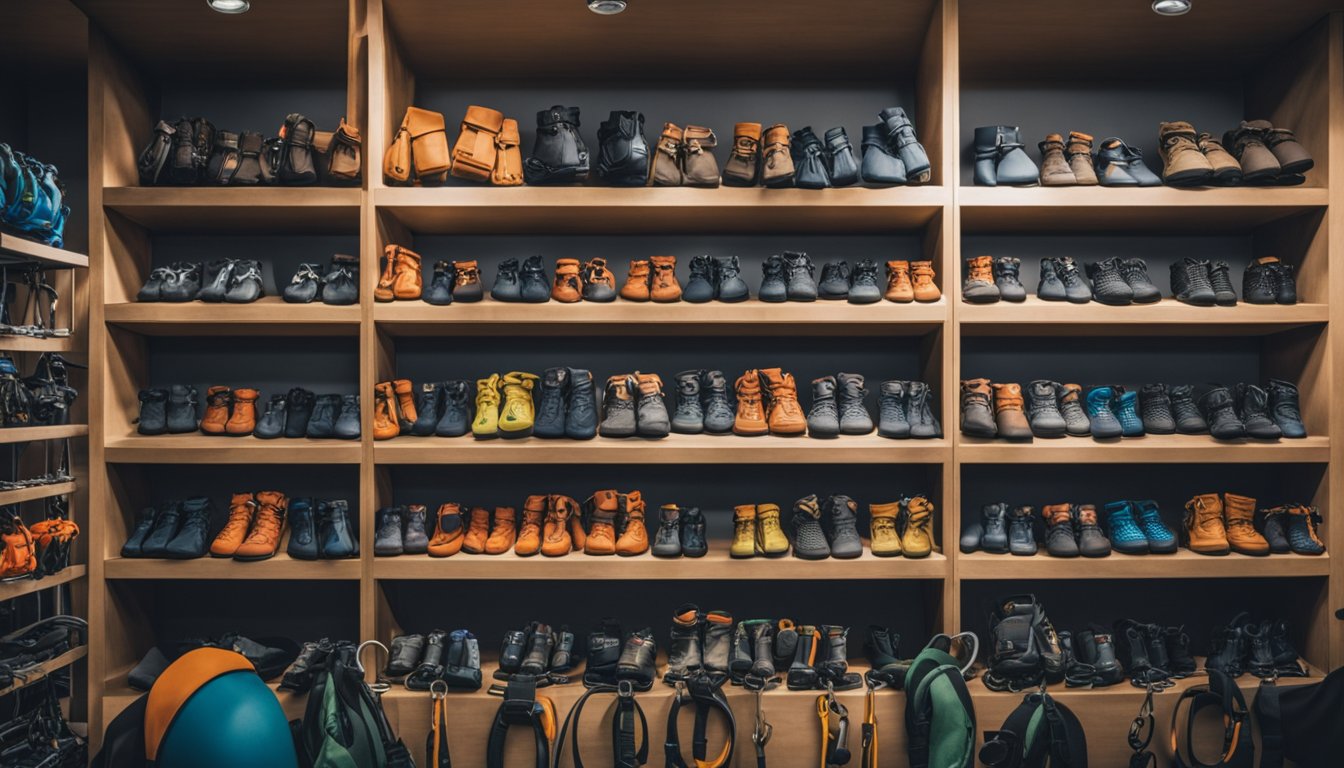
[(728, 269), (1219, 277), (1197, 275), (703, 269), (252, 273), (305, 273), (768, 525), (865, 276), (1067, 272)]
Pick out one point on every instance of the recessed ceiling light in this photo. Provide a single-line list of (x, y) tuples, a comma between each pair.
[(1171, 7), (606, 7), (229, 6)]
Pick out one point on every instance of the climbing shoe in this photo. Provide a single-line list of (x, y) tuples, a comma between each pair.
[(190, 540), (387, 532), (1239, 516), (1108, 285), (1274, 527), (1100, 416), (562, 516), (1135, 273), (693, 541), (799, 274), (1161, 540), (302, 519), (551, 403), (917, 539), (632, 533), (774, 287), (1252, 408), (884, 538), (1049, 287), (1069, 397), (153, 412), (834, 283), (636, 287), (977, 414), (1061, 539), (467, 281), (844, 540), (719, 413), (1260, 281), (1076, 289), (1125, 405), (971, 533), (299, 405), (602, 510), (1091, 541), (167, 520), (415, 539), (854, 416), (428, 409), (347, 418), (1043, 410), (1022, 531), (978, 286), (263, 540), (486, 423), (1009, 418), (477, 534), (581, 406), (770, 538), (823, 419), (923, 424), (1007, 278), (665, 287), (1155, 410), (731, 288), (744, 531), (242, 510), (335, 531), (618, 408), (1302, 534), (1190, 282), (144, 523), (863, 287), (449, 532), (893, 420), (667, 539), (785, 415), (994, 528), (1220, 277), (1189, 420), (651, 417), (517, 415), (688, 418), (1283, 408), (1203, 530), (809, 540), (1216, 406), (528, 542)]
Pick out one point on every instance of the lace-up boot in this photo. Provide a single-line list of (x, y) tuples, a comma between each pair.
[(1203, 530), (893, 420), (633, 538), (534, 285), (1050, 287), (1155, 410), (926, 288), (834, 283), (1060, 538), (242, 509), (1253, 410), (684, 653), (854, 416), (719, 415), (731, 287), (1079, 152), (1161, 539), (650, 409), (1108, 285), (667, 540), (1135, 273), (774, 286), (618, 408), (1190, 282), (1126, 408), (693, 542), (562, 520), (1189, 421), (689, 416), (917, 539), (415, 540), (977, 414), (1260, 281), (770, 538), (1007, 271), (899, 287), (263, 539), (1220, 278), (664, 286), (581, 406), (1099, 414), (923, 424), (809, 540), (863, 286), (1284, 408), (1216, 406), (884, 538), (507, 287), (994, 528), (387, 535), (1126, 535), (636, 287), (1091, 541), (1043, 410), (785, 415), (455, 414), (1239, 514), (1069, 397), (845, 541), (1022, 531), (1183, 164), (978, 287), (802, 285), (1076, 289), (744, 531), (551, 408), (1303, 522), (518, 414), (1055, 170), (1009, 417), (823, 420)]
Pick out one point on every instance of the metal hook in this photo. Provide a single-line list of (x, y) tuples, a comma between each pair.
[(438, 690), (380, 685)]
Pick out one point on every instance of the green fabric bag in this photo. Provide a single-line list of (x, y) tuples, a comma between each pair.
[(939, 715)]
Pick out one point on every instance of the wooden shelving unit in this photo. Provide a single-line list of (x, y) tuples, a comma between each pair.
[(12, 589), (46, 668), (1182, 564), (268, 316)]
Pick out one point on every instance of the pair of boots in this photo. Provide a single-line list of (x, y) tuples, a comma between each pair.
[(320, 528), (168, 411), (400, 530), (528, 284), (453, 658), (906, 409), (767, 403), (1269, 281), (236, 281), (993, 409), (457, 281), (338, 285), (655, 279), (300, 413), (400, 275), (1120, 282), (441, 408), (504, 406), (759, 157), (1001, 158), (567, 405), (681, 531), (703, 404), (1268, 155), (838, 538), (177, 530), (1072, 530), (1217, 525), (1249, 411), (615, 524), (1067, 163), (685, 157), (838, 407), (1201, 283), (633, 405), (1292, 528), (989, 279), (715, 279), (1261, 648), (1191, 159), (901, 527), (700, 642), (909, 281), (230, 411), (255, 526), (1137, 528), (1001, 529), (790, 277), (817, 165), (859, 286), (892, 153), (757, 531), (590, 282)]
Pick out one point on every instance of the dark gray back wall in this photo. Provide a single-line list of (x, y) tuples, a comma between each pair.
[(271, 364), (280, 256), (298, 610), (252, 107), (1131, 362)]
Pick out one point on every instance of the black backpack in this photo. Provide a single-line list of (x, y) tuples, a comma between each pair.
[(1303, 723), (1039, 732)]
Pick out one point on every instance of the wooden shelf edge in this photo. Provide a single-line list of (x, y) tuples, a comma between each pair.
[(117, 198), (1050, 318), (913, 196), (208, 449), (46, 668), (1151, 449), (270, 316), (1069, 197), (279, 568), (19, 248), (1184, 564), (32, 344), (20, 495), (13, 589), (27, 434)]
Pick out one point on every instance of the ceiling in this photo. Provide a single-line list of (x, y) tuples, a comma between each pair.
[(52, 32)]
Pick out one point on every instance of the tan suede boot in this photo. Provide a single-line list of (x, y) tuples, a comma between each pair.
[(383, 291), (1009, 417), (883, 536), (665, 288), (925, 288), (1226, 169), (1239, 512), (917, 541), (406, 281), (218, 402), (1079, 153), (634, 538), (244, 417), (478, 531), (385, 423), (503, 533), (636, 286), (529, 532), (555, 538), (750, 420), (1055, 170), (1183, 164), (899, 287), (785, 415), (1203, 530)]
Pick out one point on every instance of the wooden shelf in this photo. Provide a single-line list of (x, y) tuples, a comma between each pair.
[(717, 564), (29, 434), (214, 449), (281, 567), (20, 495), (12, 589), (1150, 449), (239, 210), (16, 248), (269, 316), (1183, 564), (33, 344), (674, 449), (46, 668), (415, 318), (1148, 210), (562, 210), (1168, 317)]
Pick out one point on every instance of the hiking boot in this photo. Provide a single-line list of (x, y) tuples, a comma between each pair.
[(599, 284), (1108, 285), (978, 287), (1247, 144), (347, 419), (863, 287), (1126, 535), (899, 287), (507, 286), (1183, 164), (618, 408), (917, 540), (854, 416), (650, 409), (994, 528), (263, 540), (685, 655), (884, 538), (299, 405), (1203, 529), (1239, 514), (971, 533), (1155, 410), (568, 286), (750, 420), (770, 538), (243, 419), (1076, 289), (1189, 421), (581, 406), (415, 539), (1043, 411), (1216, 406), (1008, 415), (486, 424), (1135, 273), (893, 421), (1022, 531), (1091, 541), (1287, 284), (1078, 150), (977, 415), (834, 280), (785, 415), (693, 542), (218, 404), (387, 531), (529, 530), (454, 417), (809, 540), (636, 287), (1292, 156), (1161, 540), (823, 420), (1069, 397), (180, 411), (1284, 408), (845, 542), (601, 539), (153, 412), (1260, 281), (1126, 409), (1226, 169), (302, 530), (1191, 284), (449, 533), (190, 540), (744, 531), (385, 421), (802, 286), (1252, 408), (1303, 538), (551, 408), (667, 540), (1055, 170), (555, 534), (335, 531), (1220, 278), (689, 416), (517, 415), (1274, 527), (1120, 165), (923, 424), (1060, 539), (633, 534), (322, 424), (719, 415), (478, 532), (467, 281), (1050, 287), (731, 287), (166, 523), (774, 287), (1099, 414), (664, 285), (1006, 279), (242, 509), (428, 409), (925, 288), (703, 285), (534, 287)]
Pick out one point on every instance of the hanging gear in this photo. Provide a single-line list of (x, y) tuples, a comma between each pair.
[(760, 735), (1141, 733), (626, 752), (1301, 722), (869, 731), (522, 706), (706, 692), (1040, 732), (1238, 743), (834, 741), (436, 744)]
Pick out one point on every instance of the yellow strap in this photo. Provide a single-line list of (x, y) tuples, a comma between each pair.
[(870, 719), (823, 714)]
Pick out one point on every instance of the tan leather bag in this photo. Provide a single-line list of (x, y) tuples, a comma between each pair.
[(474, 153), (343, 153), (508, 170), (698, 166), (666, 168), (397, 161), (419, 151)]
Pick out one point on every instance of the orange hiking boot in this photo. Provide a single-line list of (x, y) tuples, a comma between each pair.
[(637, 282), (449, 534), (406, 281), (665, 285), (1203, 530), (899, 287), (578, 531), (478, 531), (634, 538), (503, 533), (1239, 512), (244, 417), (925, 288), (385, 425), (405, 404), (242, 508), (785, 415), (750, 420), (555, 538), (268, 528), (568, 288), (218, 403), (602, 523), (529, 532), (383, 291), (917, 541)]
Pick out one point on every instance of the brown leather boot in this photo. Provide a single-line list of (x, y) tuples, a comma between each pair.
[(578, 530), (385, 426), (666, 289), (1055, 170), (529, 531), (244, 417), (503, 533), (1009, 418), (750, 419), (406, 281), (883, 535), (555, 539), (1182, 162), (1239, 512), (268, 527), (383, 291), (602, 526), (449, 533), (899, 288), (218, 403), (776, 161), (242, 509), (405, 404), (1203, 530), (744, 161), (786, 416), (634, 538), (636, 286), (478, 531), (1226, 169), (925, 288), (568, 288), (1079, 153)]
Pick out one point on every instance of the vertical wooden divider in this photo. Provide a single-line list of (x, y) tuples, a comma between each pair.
[(366, 59), (950, 67), (1335, 336)]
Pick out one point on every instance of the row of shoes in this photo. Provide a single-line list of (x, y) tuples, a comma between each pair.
[(239, 281), (233, 412), (1070, 530), (318, 529), (189, 151), (1262, 648), (1119, 282), (1255, 152), (1218, 524), (1050, 409), (829, 528), (337, 285)]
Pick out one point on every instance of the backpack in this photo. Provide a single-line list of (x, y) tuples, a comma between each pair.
[(1040, 732), (343, 724), (939, 714), (18, 551), (1024, 648), (1303, 723)]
